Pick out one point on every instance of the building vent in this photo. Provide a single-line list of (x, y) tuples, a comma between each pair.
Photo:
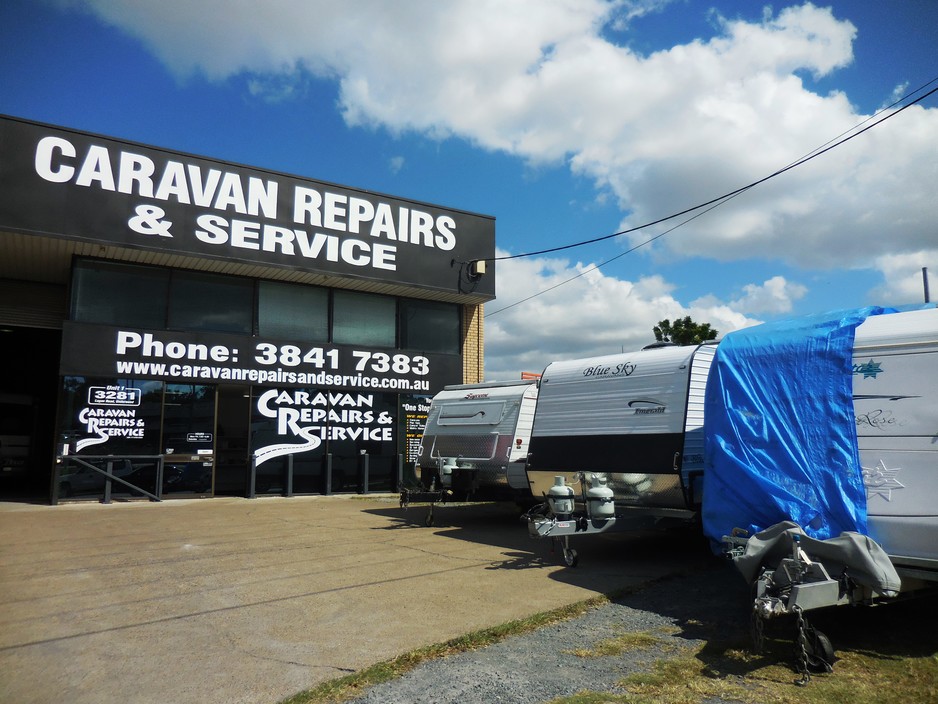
[(32, 305)]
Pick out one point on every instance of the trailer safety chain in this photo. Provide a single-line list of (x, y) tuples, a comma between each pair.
[(757, 630), (802, 648)]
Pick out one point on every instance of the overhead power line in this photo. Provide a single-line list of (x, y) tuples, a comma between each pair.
[(715, 202), (726, 196)]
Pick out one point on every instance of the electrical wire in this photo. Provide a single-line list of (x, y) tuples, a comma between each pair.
[(714, 203), (726, 196), (595, 267)]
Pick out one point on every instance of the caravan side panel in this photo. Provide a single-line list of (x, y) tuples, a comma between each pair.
[(622, 416), (478, 425), (692, 464), (895, 388)]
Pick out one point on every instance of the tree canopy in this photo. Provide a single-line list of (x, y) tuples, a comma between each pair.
[(684, 331)]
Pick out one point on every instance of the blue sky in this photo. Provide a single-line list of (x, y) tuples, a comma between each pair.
[(565, 121)]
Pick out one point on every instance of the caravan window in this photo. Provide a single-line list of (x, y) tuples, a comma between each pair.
[(483, 413)]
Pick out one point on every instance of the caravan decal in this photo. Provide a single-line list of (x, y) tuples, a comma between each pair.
[(645, 406), (881, 481), (624, 369), (869, 370)]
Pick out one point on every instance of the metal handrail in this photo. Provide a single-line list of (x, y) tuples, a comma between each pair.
[(83, 460)]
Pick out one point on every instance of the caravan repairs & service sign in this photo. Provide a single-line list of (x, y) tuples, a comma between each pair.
[(69, 184)]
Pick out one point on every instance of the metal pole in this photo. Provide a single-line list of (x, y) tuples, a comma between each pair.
[(364, 472), (289, 475), (56, 476), (158, 489), (107, 481), (925, 282), (252, 479), (328, 458)]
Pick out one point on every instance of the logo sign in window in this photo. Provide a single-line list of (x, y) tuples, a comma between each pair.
[(113, 396)]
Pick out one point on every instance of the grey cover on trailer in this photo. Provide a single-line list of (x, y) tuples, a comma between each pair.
[(867, 563)]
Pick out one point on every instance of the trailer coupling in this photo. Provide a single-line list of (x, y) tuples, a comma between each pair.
[(787, 580), (595, 511), (544, 523)]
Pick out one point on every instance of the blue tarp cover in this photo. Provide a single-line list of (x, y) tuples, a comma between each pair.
[(781, 439)]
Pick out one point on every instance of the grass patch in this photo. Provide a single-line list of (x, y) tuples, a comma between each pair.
[(351, 686), (885, 655), (623, 643), (732, 674)]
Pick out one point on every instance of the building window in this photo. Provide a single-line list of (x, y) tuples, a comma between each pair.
[(293, 312), (429, 326), (152, 297), (364, 319), (119, 294), (211, 302)]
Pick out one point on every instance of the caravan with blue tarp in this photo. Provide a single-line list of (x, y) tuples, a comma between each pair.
[(821, 458)]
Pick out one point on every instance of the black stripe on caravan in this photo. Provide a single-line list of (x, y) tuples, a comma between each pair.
[(647, 454)]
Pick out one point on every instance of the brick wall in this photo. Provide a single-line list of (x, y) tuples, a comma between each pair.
[(473, 365)]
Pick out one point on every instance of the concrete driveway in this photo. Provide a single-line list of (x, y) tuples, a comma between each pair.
[(239, 600)]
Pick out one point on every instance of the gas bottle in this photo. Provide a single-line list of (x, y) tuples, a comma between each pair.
[(600, 498), (560, 498), (446, 471)]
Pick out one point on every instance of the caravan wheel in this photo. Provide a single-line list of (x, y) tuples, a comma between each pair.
[(570, 557)]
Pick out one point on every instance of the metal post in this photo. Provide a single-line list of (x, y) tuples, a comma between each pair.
[(252, 479), (400, 473), (289, 491), (56, 478), (925, 282), (328, 468), (364, 472), (107, 481), (158, 489)]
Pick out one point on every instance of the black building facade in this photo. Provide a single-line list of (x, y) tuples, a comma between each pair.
[(174, 326)]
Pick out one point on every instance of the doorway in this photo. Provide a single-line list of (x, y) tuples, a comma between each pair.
[(28, 386), (232, 433)]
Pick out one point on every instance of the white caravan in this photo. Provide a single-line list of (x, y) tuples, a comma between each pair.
[(631, 423), (895, 398), (634, 423), (476, 440), (895, 403)]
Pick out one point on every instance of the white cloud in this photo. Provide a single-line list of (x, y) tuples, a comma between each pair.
[(396, 163), (773, 296), (542, 81), (593, 314), (904, 281)]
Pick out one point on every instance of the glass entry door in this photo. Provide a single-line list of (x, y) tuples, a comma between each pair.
[(232, 462), (188, 439)]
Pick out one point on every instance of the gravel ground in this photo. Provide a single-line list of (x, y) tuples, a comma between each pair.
[(682, 612)]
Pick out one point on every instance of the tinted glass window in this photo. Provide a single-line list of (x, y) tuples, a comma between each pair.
[(211, 302), (430, 327), (119, 294), (293, 312), (364, 319)]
